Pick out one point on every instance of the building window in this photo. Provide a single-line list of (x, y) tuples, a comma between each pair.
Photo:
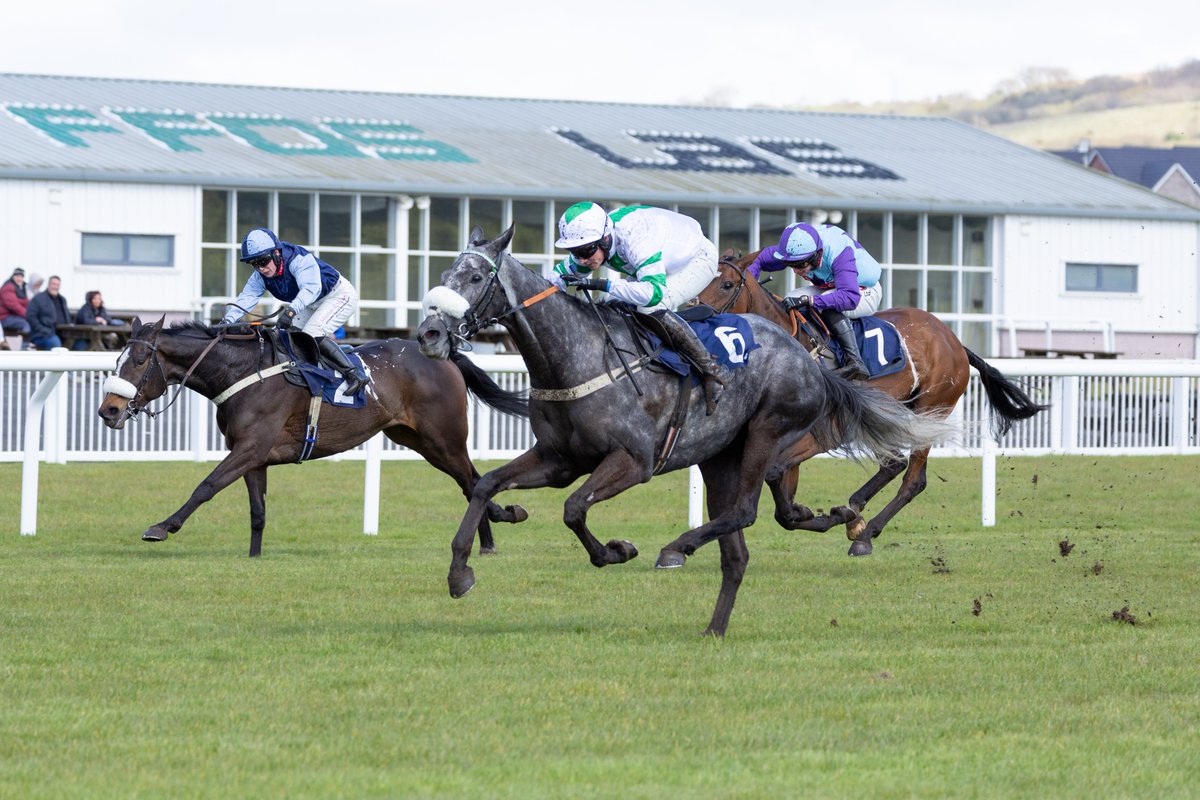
[(1101, 278), (128, 250)]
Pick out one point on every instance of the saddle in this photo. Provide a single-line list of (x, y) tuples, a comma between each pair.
[(312, 371), (878, 340)]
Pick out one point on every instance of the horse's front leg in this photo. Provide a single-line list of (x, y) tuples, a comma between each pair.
[(256, 485), (530, 470), (617, 472), (233, 466)]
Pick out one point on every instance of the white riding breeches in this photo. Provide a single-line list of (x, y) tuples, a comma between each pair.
[(683, 285), (868, 302), (331, 312)]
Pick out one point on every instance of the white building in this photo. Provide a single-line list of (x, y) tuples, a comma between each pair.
[(143, 189)]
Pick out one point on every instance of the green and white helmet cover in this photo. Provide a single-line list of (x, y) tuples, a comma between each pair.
[(582, 223)]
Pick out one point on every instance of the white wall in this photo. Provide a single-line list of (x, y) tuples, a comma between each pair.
[(43, 221), (1167, 254)]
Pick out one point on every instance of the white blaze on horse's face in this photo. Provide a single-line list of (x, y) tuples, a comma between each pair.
[(444, 300)]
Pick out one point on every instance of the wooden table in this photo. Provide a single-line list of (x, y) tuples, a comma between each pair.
[(94, 334)]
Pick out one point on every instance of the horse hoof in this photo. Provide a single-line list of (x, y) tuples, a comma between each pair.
[(155, 534), (487, 551), (519, 514), (858, 548), (624, 549), (855, 524), (670, 559), (462, 582)]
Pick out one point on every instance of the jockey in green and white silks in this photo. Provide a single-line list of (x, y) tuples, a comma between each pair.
[(664, 257)]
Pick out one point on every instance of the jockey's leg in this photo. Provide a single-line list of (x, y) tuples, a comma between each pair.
[(843, 331), (356, 377), (685, 341), (682, 287)]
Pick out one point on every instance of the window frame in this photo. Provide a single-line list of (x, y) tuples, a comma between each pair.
[(126, 240), (1099, 269)]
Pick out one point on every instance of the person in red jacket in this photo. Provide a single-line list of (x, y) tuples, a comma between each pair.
[(14, 300)]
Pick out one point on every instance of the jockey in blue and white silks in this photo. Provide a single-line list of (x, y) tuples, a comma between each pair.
[(844, 278), (318, 298), (664, 257)]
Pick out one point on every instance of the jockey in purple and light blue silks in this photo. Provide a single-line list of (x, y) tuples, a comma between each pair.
[(844, 278), (666, 261)]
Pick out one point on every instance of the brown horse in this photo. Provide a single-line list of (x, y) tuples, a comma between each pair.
[(417, 402), (934, 379)]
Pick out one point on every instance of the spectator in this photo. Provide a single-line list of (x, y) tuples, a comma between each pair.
[(93, 312), (35, 284), (48, 310), (14, 303)]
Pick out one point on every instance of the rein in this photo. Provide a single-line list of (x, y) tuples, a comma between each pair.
[(132, 410)]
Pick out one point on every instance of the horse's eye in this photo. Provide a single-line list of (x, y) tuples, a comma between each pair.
[(476, 278), (727, 285)]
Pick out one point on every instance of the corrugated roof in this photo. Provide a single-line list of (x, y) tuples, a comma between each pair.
[(218, 135), (1142, 165)]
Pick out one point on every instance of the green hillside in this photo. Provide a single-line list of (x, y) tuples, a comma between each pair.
[(1047, 109)]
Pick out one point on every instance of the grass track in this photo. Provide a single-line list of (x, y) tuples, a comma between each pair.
[(338, 666)]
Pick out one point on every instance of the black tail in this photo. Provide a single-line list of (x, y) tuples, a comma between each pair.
[(480, 384), (1009, 402)]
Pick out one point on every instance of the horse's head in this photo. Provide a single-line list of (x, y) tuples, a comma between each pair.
[(140, 378), (727, 292), (469, 298)]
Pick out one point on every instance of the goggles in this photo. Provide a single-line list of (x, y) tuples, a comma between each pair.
[(584, 251)]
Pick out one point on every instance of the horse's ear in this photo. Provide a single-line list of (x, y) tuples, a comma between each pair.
[(501, 241), (158, 325), (136, 324), (477, 238)]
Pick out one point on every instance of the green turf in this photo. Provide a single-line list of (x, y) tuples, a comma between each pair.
[(337, 665)]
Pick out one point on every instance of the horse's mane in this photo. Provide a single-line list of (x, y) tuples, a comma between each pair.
[(185, 326)]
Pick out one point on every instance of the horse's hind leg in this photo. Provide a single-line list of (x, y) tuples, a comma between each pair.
[(912, 485), (256, 485), (734, 558), (452, 458)]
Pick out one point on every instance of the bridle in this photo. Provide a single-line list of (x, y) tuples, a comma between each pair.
[(472, 322), (740, 287), (132, 409)]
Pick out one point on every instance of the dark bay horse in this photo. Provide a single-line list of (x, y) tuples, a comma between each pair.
[(599, 408), (934, 379), (417, 402)]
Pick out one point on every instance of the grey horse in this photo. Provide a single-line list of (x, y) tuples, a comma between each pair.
[(599, 408)]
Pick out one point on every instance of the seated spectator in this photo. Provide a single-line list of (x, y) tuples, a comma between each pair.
[(93, 312), (14, 302), (47, 310)]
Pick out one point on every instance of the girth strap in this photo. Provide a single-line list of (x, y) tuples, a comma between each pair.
[(310, 430), (678, 417)]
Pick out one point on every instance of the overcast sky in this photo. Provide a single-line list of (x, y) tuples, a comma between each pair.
[(736, 52)]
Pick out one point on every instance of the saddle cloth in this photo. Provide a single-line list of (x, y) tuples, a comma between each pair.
[(727, 336), (312, 371), (879, 344)]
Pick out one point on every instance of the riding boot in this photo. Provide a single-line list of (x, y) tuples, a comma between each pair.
[(853, 368), (356, 377), (687, 344)]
